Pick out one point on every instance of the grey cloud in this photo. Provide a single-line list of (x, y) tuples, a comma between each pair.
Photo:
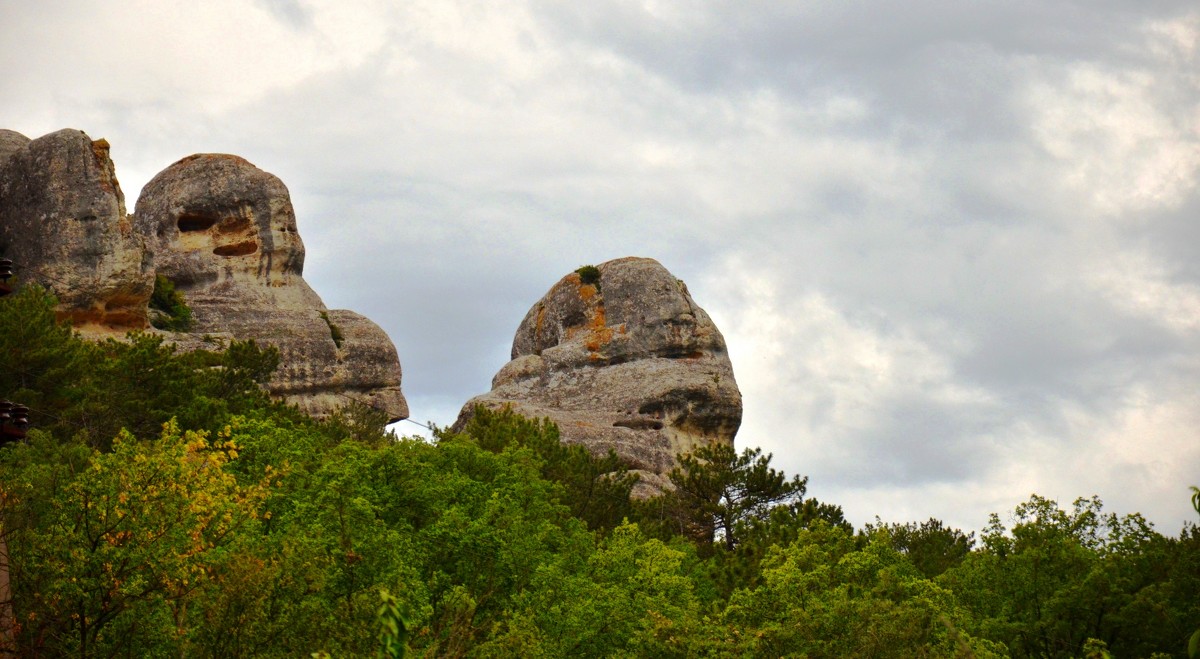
[(917, 440), (291, 12), (716, 45), (946, 66), (1174, 237)]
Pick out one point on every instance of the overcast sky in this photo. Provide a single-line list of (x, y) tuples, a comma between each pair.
[(954, 247)]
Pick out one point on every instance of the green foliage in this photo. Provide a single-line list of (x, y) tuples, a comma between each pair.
[(335, 332), (1061, 577), (1094, 648), (1193, 647), (110, 560), (719, 493), (741, 567), (589, 275), (931, 546), (828, 595), (42, 362), (628, 598), (93, 390), (596, 488), (393, 628), (734, 507), (176, 316)]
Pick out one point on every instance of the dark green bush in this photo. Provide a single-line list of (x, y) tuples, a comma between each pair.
[(178, 316), (589, 274)]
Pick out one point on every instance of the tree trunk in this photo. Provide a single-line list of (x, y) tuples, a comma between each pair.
[(8, 622)]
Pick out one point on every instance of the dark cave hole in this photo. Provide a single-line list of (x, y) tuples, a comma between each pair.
[(195, 222)]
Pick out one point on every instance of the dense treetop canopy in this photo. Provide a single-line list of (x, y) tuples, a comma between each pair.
[(163, 504)]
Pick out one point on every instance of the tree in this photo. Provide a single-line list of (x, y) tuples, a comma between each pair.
[(829, 595), (173, 312), (596, 487), (43, 364), (626, 597), (112, 557), (1062, 577), (931, 546), (1193, 647), (77, 387), (719, 493)]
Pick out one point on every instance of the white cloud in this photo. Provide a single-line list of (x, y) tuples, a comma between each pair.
[(1122, 140), (1139, 284)]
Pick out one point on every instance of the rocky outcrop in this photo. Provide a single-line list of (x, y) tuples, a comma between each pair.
[(622, 358), (224, 232), (11, 142), (63, 223)]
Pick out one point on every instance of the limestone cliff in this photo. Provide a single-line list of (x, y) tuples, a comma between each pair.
[(63, 223), (625, 360), (221, 229)]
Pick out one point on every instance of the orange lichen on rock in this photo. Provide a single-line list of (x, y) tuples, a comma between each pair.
[(116, 318), (599, 332), (587, 292), (541, 320), (79, 316), (241, 223), (598, 319), (100, 150)]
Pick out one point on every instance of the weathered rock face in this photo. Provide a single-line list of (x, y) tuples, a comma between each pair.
[(224, 232), (10, 142), (63, 223), (629, 363)]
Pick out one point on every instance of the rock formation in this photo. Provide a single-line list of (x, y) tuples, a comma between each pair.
[(221, 229), (622, 358), (11, 142), (63, 223), (224, 232)]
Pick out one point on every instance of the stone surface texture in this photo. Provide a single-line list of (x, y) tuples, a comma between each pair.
[(225, 233), (10, 142), (63, 223), (630, 364)]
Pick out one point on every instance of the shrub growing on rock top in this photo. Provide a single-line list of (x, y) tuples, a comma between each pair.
[(589, 274)]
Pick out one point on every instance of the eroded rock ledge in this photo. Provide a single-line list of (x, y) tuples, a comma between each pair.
[(629, 363)]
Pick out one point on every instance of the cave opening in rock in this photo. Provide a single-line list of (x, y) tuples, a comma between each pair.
[(195, 222)]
